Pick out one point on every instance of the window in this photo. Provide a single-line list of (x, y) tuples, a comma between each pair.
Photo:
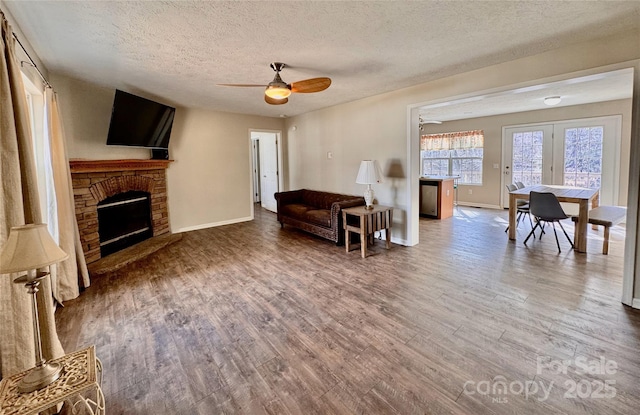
[(42, 154), (527, 159), (583, 156), (453, 154)]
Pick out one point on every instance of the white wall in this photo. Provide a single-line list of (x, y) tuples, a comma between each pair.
[(208, 183), (377, 127), (86, 113), (360, 130)]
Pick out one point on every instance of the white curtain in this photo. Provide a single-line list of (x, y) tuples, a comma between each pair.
[(452, 141), (19, 204), (71, 273)]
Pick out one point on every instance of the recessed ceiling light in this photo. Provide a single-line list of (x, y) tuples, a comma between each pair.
[(554, 100)]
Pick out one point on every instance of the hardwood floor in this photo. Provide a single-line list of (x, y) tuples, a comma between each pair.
[(252, 319)]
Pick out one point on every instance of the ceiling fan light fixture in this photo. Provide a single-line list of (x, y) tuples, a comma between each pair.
[(554, 100), (277, 91)]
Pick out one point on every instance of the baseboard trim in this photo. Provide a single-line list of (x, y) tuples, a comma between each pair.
[(478, 205), (398, 241), (212, 224), (636, 303)]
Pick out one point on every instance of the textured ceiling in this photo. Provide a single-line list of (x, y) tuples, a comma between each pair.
[(178, 51), (607, 86)]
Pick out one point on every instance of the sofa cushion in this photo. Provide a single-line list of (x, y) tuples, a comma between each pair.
[(320, 217), (319, 200), (295, 210)]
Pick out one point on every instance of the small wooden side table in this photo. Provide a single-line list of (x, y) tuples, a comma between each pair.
[(78, 387), (370, 220)]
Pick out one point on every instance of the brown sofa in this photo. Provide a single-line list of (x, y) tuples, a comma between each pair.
[(315, 211)]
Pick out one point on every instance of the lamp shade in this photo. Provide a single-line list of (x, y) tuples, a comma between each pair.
[(29, 247), (369, 172)]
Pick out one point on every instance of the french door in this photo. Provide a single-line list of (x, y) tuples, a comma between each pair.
[(527, 156), (582, 153)]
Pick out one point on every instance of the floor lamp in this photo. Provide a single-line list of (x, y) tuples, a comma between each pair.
[(29, 248)]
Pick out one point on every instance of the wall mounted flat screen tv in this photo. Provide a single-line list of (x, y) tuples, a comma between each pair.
[(139, 122)]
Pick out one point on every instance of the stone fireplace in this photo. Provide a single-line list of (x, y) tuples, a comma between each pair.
[(117, 187)]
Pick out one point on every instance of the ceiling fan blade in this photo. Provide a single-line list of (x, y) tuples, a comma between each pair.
[(243, 85), (273, 101), (311, 85)]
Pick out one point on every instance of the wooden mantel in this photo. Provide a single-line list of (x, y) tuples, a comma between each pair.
[(93, 166)]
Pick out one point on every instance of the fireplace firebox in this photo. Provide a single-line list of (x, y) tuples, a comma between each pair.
[(124, 220)]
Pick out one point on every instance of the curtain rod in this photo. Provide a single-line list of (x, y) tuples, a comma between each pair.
[(32, 62)]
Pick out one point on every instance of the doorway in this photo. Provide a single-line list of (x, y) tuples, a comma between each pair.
[(581, 153), (415, 117), (266, 158)]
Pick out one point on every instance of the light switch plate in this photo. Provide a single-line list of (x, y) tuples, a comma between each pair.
[(329, 155)]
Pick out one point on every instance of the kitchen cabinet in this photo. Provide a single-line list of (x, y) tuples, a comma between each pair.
[(437, 196)]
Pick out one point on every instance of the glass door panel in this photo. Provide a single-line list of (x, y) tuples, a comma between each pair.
[(527, 156), (589, 155)]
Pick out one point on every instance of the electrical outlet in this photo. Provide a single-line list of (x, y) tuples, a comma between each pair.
[(470, 191)]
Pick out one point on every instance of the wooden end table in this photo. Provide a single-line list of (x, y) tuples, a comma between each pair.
[(370, 220), (78, 386)]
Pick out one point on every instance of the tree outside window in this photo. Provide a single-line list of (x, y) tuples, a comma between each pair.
[(583, 157)]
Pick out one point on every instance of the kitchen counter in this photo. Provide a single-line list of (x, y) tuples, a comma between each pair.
[(438, 178), (436, 196)]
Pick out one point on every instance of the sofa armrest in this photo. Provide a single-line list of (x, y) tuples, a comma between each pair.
[(286, 198), (336, 208)]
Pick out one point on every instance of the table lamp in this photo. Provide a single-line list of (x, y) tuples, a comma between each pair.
[(28, 248), (368, 174)]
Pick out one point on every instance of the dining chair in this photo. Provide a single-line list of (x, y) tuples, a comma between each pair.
[(546, 208), (523, 208)]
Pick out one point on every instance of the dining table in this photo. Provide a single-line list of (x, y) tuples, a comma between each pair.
[(580, 195)]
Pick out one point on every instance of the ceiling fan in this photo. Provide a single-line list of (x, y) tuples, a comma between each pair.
[(278, 91)]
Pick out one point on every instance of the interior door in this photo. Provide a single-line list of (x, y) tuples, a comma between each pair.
[(256, 170), (268, 155), (527, 153)]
